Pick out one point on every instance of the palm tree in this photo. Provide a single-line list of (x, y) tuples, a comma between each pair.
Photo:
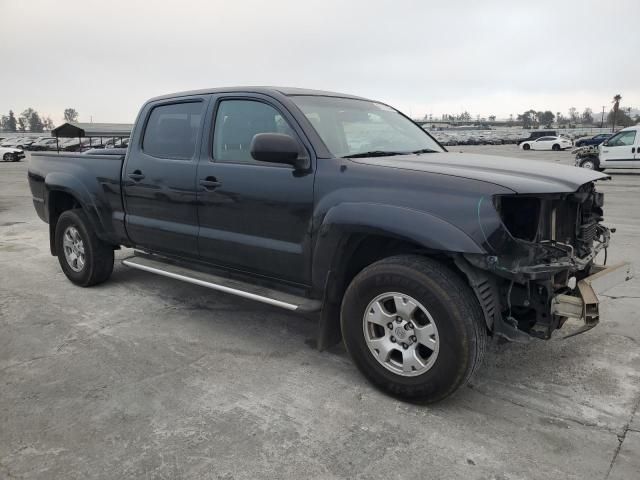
[(616, 105)]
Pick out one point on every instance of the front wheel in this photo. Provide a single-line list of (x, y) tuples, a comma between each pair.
[(7, 157), (526, 146), (591, 163), (84, 258), (413, 327)]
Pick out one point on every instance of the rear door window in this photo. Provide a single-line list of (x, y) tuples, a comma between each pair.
[(172, 130)]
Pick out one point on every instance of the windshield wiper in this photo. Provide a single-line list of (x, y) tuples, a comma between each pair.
[(424, 150), (374, 153)]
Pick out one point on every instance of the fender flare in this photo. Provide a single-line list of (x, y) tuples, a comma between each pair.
[(406, 224), (64, 182), (345, 220)]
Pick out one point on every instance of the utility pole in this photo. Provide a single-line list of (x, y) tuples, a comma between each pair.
[(602, 119)]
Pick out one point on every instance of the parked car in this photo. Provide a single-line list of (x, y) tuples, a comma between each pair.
[(594, 140), (116, 143), (12, 142), (9, 154), (23, 143), (538, 134), (547, 143), (41, 144), (105, 151), (340, 207), (621, 150), (76, 145)]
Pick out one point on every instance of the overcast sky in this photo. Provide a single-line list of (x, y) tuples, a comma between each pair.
[(106, 57)]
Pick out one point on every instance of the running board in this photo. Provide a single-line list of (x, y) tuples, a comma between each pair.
[(222, 284)]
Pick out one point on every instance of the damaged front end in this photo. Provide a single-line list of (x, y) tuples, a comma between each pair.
[(541, 267)]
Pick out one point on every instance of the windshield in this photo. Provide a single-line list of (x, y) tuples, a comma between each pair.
[(352, 127)]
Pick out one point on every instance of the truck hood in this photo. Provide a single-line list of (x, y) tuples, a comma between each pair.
[(520, 176)]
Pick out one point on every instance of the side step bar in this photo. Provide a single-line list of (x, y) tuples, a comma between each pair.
[(222, 284)]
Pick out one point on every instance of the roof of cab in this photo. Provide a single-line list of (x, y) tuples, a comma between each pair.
[(288, 91)]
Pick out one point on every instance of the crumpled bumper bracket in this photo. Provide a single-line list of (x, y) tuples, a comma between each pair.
[(586, 305)]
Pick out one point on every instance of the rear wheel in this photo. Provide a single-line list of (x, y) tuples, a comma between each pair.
[(526, 146), (555, 147), (84, 258), (413, 327)]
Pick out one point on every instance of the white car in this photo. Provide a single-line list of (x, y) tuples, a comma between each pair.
[(547, 143), (621, 150), (8, 154)]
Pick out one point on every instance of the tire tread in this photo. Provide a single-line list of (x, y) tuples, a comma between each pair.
[(456, 291), (100, 258)]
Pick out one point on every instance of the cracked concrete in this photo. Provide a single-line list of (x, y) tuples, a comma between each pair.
[(145, 377)]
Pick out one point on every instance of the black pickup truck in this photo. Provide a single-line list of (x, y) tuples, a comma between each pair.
[(338, 206)]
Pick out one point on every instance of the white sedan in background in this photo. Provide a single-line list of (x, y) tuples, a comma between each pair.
[(11, 154), (547, 143)]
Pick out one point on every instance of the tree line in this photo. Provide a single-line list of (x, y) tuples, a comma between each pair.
[(31, 121), (617, 116)]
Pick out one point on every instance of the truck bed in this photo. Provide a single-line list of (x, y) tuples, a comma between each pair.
[(95, 178)]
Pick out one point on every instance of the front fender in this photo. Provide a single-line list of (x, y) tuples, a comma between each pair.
[(402, 223)]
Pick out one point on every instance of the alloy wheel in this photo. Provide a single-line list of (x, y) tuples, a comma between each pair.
[(73, 249), (401, 334)]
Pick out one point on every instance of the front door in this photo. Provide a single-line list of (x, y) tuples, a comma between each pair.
[(619, 150), (254, 216), (159, 178)]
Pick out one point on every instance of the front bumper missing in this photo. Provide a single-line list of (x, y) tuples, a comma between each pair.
[(585, 305)]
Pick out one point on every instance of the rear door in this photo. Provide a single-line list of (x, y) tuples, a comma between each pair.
[(620, 150), (159, 177), (254, 216)]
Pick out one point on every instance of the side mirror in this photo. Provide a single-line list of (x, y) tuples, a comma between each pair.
[(277, 148), (605, 143)]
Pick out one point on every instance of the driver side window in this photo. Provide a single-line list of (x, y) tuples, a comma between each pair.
[(237, 122), (622, 139)]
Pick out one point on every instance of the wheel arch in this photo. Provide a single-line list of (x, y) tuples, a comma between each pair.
[(64, 192), (356, 235)]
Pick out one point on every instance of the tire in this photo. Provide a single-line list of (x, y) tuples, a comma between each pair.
[(97, 256), (7, 157), (526, 146), (589, 164), (555, 148), (452, 313)]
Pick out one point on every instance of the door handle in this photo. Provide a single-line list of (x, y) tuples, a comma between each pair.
[(633, 149), (136, 175), (210, 183)]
